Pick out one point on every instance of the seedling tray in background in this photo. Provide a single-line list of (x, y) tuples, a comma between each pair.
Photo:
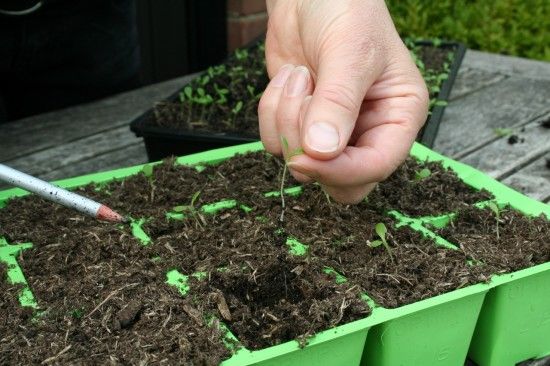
[(503, 322), (161, 141)]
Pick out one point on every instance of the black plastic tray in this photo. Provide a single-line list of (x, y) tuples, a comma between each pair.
[(161, 142)]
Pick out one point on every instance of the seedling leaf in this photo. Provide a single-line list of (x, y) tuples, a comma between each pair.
[(381, 230), (237, 107), (188, 91), (494, 207), (296, 152), (422, 174), (147, 170), (503, 132), (375, 243), (179, 208), (194, 198), (284, 142)]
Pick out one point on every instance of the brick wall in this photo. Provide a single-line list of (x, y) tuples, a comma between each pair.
[(246, 20)]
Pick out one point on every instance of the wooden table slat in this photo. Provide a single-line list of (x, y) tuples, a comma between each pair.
[(37, 133), (500, 158), (533, 180), (470, 81), (74, 152), (470, 121)]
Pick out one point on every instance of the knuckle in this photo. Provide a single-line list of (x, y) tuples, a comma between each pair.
[(266, 105), (342, 96), (271, 145)]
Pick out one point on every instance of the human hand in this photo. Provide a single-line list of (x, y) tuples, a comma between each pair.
[(368, 98)]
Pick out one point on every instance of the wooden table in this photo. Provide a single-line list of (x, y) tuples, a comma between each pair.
[(491, 91)]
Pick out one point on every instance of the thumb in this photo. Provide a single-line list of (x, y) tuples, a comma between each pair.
[(343, 78)]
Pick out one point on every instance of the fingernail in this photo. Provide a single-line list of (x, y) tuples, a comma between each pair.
[(297, 82), (280, 79), (322, 137), (300, 169)]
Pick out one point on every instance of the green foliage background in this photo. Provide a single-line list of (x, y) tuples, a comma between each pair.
[(512, 27)]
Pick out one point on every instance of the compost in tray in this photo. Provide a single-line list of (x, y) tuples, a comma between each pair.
[(102, 293)]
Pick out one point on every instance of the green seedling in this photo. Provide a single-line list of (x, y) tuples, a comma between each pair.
[(422, 174), (437, 42), (147, 170), (221, 92), (235, 111), (190, 207), (503, 132), (288, 155), (241, 54), (438, 103), (237, 108), (188, 92), (204, 80), (494, 207), (381, 231)]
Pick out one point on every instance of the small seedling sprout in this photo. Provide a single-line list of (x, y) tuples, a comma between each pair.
[(288, 154), (188, 91), (494, 207), (381, 231), (237, 107), (204, 80), (503, 132), (422, 174), (251, 90), (148, 172), (241, 54), (190, 207)]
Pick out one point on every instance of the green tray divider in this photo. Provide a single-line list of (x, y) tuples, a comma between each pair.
[(440, 221), (417, 225), (138, 232), (291, 191), (211, 208), (8, 254), (295, 247)]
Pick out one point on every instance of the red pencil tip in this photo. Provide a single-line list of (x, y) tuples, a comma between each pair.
[(106, 214)]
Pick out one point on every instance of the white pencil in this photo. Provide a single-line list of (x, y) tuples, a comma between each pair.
[(59, 195)]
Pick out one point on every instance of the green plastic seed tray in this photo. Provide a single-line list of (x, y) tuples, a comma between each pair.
[(502, 322)]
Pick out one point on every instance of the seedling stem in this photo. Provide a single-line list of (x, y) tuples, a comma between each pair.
[(494, 207), (381, 231)]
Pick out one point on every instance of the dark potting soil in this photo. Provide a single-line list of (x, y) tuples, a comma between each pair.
[(263, 294), (340, 235), (103, 299), (225, 98), (438, 193), (283, 298), (522, 241)]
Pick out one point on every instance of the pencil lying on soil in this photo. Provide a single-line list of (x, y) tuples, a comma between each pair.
[(59, 195)]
